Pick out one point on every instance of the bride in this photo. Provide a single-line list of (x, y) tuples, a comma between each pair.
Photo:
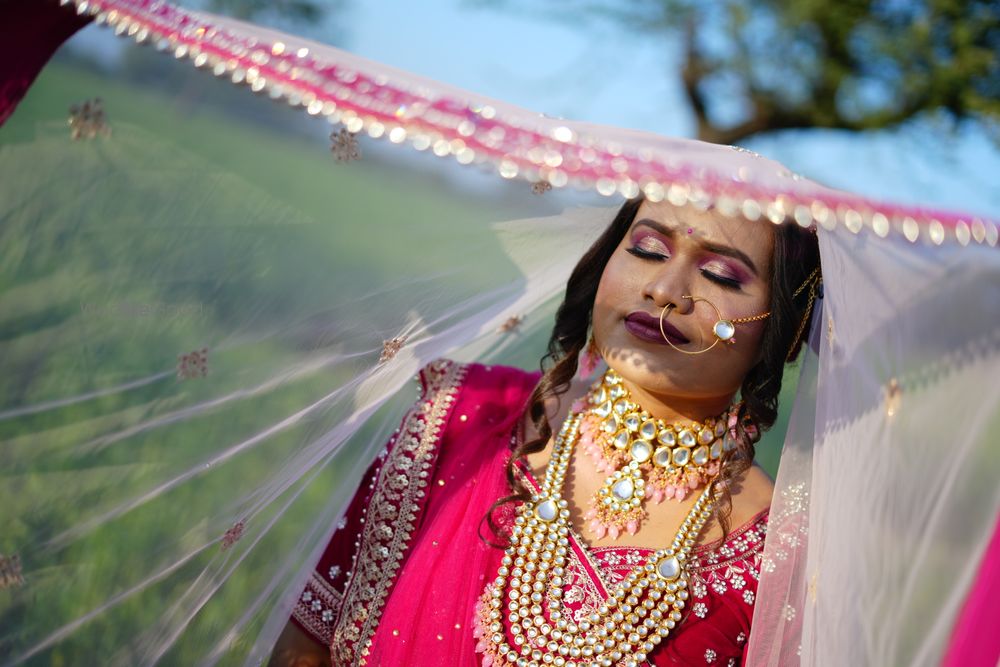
[(253, 503), (688, 310)]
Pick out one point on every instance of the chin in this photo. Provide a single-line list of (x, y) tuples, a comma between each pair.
[(649, 372)]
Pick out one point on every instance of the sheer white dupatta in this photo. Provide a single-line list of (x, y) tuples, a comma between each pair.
[(887, 490), (172, 519)]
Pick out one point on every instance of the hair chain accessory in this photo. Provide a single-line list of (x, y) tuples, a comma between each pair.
[(813, 281)]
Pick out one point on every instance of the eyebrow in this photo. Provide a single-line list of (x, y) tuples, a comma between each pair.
[(716, 248)]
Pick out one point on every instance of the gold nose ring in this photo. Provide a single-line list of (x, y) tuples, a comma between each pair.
[(723, 330)]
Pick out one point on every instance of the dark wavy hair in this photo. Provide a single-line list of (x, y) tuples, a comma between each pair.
[(795, 256)]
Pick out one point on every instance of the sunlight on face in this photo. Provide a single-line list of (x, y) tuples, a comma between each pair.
[(669, 253)]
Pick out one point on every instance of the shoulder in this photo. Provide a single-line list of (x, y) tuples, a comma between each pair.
[(751, 494), (723, 586), (748, 525), (730, 570), (483, 395), (743, 543), (439, 376), (444, 375)]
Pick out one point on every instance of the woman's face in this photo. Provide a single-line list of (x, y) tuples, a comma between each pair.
[(666, 254)]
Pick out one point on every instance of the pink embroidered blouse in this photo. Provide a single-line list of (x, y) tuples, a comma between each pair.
[(403, 578)]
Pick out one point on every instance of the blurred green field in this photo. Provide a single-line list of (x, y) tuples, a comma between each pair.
[(248, 230), (244, 226)]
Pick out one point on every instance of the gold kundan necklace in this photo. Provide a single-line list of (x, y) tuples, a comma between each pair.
[(638, 614), (644, 457)]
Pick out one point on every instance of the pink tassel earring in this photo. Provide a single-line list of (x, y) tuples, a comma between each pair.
[(589, 359)]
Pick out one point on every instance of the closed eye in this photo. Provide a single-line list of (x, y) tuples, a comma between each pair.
[(642, 253), (730, 283), (649, 246)]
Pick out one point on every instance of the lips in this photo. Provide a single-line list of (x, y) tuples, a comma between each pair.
[(644, 326)]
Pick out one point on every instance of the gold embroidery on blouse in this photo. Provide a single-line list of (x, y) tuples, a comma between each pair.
[(399, 496), (742, 544), (318, 606)]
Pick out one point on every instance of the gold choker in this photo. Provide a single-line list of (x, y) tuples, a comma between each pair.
[(645, 457)]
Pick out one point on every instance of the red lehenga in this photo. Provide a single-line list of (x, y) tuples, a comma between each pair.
[(403, 579)]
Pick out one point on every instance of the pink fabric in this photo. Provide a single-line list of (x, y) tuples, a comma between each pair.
[(427, 620), (972, 643), (429, 616), (32, 31)]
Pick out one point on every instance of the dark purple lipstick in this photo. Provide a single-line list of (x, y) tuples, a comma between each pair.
[(645, 327)]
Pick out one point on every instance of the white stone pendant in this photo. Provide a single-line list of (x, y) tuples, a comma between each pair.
[(724, 330), (669, 568), (547, 510), (618, 503), (624, 489)]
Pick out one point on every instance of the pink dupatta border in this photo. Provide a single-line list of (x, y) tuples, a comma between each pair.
[(972, 643), (365, 96)]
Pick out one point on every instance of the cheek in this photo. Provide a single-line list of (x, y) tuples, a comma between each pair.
[(748, 339), (618, 278), (611, 291), (603, 311)]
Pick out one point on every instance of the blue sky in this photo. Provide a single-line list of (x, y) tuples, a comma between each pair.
[(608, 75)]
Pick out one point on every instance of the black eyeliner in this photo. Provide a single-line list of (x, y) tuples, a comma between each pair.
[(729, 283), (636, 251), (725, 282)]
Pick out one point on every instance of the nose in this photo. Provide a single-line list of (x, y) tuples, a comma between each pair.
[(668, 286)]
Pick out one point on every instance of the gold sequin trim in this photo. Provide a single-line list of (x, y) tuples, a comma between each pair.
[(318, 607), (399, 497)]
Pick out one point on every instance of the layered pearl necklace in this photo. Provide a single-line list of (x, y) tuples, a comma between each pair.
[(638, 614)]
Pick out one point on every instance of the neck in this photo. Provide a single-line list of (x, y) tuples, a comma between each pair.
[(679, 408)]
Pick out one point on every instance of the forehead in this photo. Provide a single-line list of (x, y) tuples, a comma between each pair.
[(756, 239)]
